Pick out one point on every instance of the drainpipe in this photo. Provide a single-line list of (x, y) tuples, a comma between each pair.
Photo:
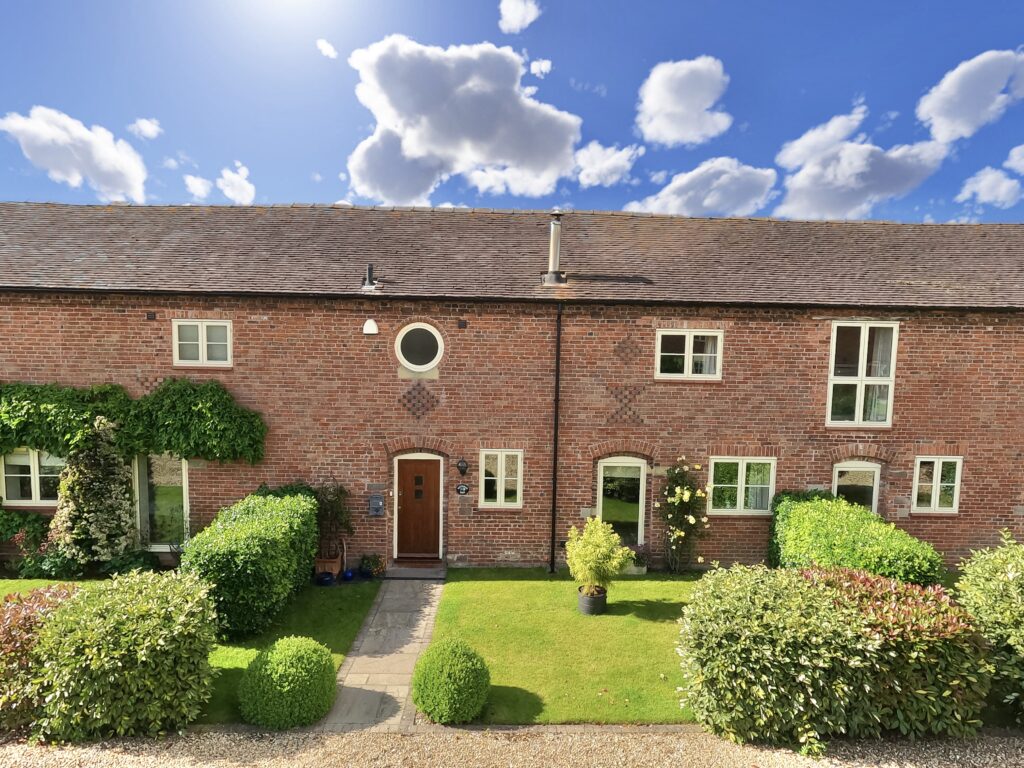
[(554, 433)]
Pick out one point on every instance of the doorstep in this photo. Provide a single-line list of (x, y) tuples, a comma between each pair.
[(416, 570)]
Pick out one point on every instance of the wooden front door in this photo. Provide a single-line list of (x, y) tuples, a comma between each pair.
[(419, 508)]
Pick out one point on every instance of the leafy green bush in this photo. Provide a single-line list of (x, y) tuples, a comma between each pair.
[(95, 518), (21, 617), (128, 657), (450, 683), (255, 554), (31, 525), (835, 533), (768, 656), (777, 501), (334, 517), (991, 588), (290, 684), (930, 673), (596, 556)]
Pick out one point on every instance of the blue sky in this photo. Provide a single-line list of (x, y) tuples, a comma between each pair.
[(907, 111)]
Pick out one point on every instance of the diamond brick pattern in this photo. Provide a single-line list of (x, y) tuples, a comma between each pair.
[(628, 350), (418, 400), (626, 407)]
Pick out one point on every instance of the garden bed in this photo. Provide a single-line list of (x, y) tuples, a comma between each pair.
[(550, 664)]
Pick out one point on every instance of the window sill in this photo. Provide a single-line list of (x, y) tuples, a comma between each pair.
[(740, 513), (854, 425), (499, 508), (688, 379), (201, 367), (934, 512), (30, 505)]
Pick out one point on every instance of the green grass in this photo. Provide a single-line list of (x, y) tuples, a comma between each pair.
[(551, 664), (618, 511), (330, 615)]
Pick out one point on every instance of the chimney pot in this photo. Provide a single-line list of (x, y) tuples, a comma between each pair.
[(554, 275)]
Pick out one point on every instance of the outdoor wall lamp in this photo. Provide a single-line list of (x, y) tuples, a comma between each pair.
[(463, 466), (370, 327)]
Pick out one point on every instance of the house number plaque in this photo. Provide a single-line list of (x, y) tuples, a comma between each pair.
[(462, 489)]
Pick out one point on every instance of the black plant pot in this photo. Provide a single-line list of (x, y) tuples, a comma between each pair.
[(592, 605)]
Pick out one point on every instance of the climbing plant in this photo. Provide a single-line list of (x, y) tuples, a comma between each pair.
[(181, 417)]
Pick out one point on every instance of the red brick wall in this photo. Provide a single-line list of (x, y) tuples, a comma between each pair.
[(331, 397)]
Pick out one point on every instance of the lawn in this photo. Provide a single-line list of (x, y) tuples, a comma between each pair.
[(551, 664), (330, 615)]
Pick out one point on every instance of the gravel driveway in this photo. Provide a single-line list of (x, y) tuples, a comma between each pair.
[(449, 748)]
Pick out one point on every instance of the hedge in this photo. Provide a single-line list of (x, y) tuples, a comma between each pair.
[(450, 682), (129, 657), (991, 588), (836, 533), (290, 684), (795, 657), (255, 554)]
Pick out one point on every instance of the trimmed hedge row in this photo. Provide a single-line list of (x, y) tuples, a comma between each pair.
[(255, 554), (835, 533), (794, 657), (991, 588)]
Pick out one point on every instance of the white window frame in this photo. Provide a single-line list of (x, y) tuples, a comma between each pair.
[(934, 508), (202, 362), (138, 505), (428, 366), (35, 501), (858, 466), (741, 488), (689, 334), (625, 461), (861, 380), (501, 453)]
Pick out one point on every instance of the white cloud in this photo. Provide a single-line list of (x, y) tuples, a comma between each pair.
[(991, 186), (146, 128), (197, 186), (342, 176), (719, 186), (658, 177), (1015, 160), (677, 102), (236, 186), (70, 153), (170, 164), (457, 110), (343, 203), (316, 177), (972, 94), (540, 68), (326, 48), (517, 15), (605, 166), (836, 177)]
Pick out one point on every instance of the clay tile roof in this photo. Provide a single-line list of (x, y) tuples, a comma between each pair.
[(500, 255)]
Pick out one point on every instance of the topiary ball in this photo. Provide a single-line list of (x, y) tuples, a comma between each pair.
[(291, 683), (450, 683)]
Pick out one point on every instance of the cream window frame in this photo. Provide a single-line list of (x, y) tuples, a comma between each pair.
[(202, 362), (34, 476), (934, 508), (625, 461), (500, 503), (862, 380), (741, 485), (689, 333)]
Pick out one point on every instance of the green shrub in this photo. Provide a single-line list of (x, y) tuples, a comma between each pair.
[(596, 556), (991, 588), (450, 683), (768, 656), (836, 533), (777, 502), (930, 673), (290, 684), (95, 518), (128, 657), (21, 618), (255, 554)]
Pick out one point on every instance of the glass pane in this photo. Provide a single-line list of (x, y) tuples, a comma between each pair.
[(18, 476), (756, 498), (759, 473), (726, 473), (491, 477), (705, 365), (876, 402), (946, 495), (925, 478), (166, 497), (188, 351), (511, 490), (511, 465), (847, 351), (217, 353), (672, 364), (674, 343), (490, 465), (189, 333), (879, 352), (491, 489), (216, 334), (723, 497), (857, 486), (844, 402), (705, 355), (50, 467), (948, 473), (620, 500), (672, 358), (419, 347)]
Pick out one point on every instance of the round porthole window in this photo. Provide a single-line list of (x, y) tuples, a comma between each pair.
[(419, 347)]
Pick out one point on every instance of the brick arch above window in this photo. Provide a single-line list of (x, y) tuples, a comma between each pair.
[(862, 451), (407, 443), (624, 447)]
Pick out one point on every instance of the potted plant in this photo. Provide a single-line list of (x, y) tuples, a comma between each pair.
[(372, 566), (639, 565), (595, 557)]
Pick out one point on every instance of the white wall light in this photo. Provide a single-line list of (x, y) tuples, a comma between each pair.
[(370, 327)]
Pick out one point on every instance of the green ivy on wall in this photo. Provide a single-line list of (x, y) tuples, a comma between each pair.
[(181, 417)]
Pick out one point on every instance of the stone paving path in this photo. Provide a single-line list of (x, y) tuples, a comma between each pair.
[(376, 676)]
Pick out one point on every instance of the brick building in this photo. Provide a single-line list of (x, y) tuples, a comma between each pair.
[(883, 360)]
